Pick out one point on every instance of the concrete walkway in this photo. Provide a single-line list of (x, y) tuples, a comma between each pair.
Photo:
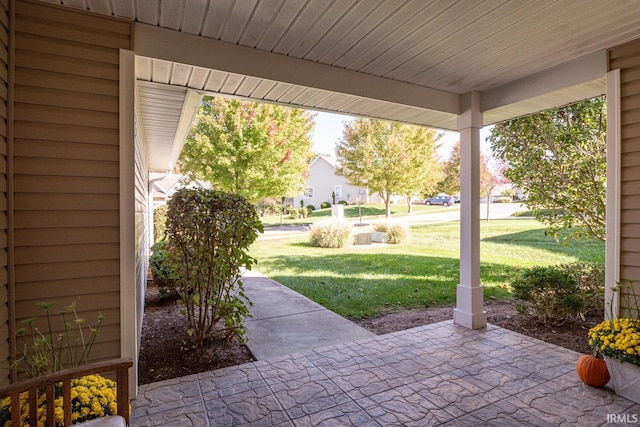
[(285, 322)]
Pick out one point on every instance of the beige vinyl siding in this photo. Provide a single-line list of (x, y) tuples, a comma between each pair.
[(66, 165), (627, 59), (4, 284)]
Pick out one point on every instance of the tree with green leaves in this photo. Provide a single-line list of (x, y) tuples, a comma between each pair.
[(255, 150), (558, 158), (388, 158), (450, 183)]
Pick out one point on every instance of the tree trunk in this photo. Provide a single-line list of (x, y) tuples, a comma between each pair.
[(409, 205), (488, 202), (387, 204)]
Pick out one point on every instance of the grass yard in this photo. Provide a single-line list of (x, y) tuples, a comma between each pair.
[(369, 213), (362, 281)]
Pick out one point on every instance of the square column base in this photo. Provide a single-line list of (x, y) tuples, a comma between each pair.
[(469, 310), (470, 321)]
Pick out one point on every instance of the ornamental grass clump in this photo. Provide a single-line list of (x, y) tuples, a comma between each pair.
[(395, 232), (43, 353), (92, 396), (330, 233)]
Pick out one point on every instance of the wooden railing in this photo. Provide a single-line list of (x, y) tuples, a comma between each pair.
[(47, 382)]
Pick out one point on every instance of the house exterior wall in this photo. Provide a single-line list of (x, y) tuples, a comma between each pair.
[(65, 198), (4, 282), (323, 179), (627, 59)]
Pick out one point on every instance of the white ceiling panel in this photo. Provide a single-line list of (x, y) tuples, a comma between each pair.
[(277, 91), (290, 94), (232, 83), (215, 81), (181, 75), (247, 86), (263, 88), (456, 45), (193, 16), (405, 60), (198, 78), (171, 14)]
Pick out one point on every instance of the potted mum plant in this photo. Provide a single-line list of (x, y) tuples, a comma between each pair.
[(618, 340), (45, 351)]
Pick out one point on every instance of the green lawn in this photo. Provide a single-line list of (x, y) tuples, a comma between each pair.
[(364, 281), (369, 213)]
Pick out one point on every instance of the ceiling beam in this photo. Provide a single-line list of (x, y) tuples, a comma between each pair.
[(572, 73), (175, 46)]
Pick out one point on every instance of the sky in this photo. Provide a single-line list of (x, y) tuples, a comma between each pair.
[(329, 127)]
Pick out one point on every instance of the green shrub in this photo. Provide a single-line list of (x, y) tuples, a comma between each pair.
[(159, 223), (311, 208), (294, 213), (330, 233), (304, 212), (342, 202), (163, 274), (208, 236), (325, 205), (590, 277), (555, 293)]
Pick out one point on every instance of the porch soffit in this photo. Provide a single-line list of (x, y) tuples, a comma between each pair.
[(454, 46), (400, 60)]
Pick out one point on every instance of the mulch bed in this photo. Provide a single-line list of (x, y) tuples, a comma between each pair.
[(165, 352)]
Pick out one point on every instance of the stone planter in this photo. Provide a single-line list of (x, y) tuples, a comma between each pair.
[(378, 236), (362, 239), (625, 379)]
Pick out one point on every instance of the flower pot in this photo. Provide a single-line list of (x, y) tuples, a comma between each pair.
[(625, 378)]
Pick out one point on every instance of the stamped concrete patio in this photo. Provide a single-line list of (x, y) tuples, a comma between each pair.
[(439, 374)]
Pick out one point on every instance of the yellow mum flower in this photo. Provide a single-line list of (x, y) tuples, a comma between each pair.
[(92, 396)]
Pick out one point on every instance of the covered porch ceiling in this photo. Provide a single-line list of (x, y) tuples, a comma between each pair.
[(409, 61)]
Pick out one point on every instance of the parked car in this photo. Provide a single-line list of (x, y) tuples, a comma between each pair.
[(440, 200)]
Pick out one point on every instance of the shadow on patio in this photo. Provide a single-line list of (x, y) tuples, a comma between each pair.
[(439, 374)]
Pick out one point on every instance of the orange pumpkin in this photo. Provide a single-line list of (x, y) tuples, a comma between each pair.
[(592, 371)]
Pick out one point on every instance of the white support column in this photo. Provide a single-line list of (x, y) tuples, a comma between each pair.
[(612, 263), (128, 327), (469, 310)]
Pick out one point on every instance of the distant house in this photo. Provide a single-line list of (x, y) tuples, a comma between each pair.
[(323, 181), (162, 186)]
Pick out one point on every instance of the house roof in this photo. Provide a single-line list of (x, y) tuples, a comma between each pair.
[(329, 160), (409, 61)]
